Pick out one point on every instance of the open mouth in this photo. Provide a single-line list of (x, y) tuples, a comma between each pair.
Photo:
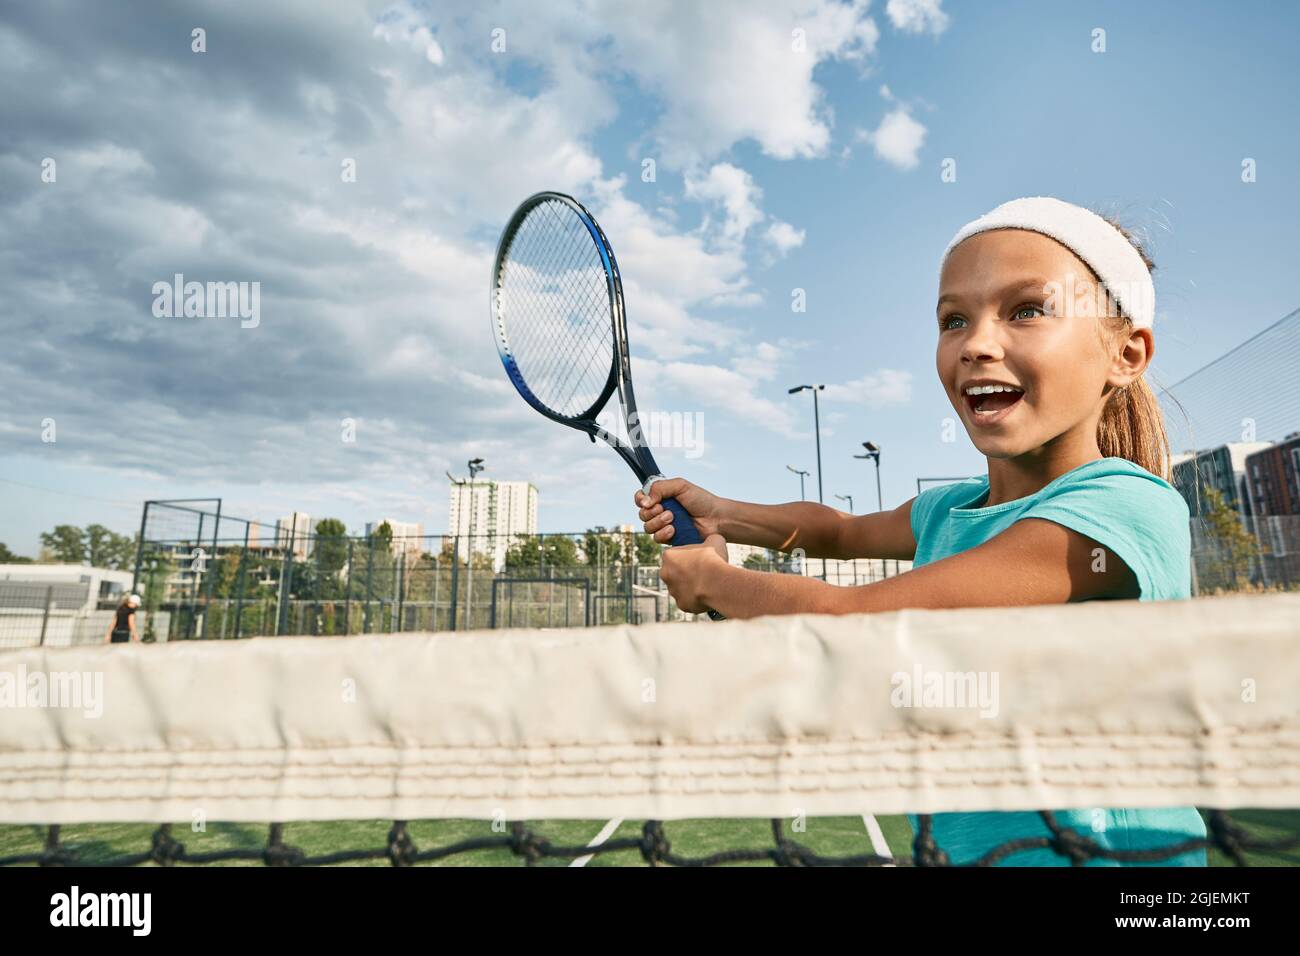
[(991, 403)]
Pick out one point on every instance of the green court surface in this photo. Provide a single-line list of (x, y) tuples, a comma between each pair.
[(827, 836)]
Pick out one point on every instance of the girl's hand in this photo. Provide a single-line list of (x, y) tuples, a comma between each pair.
[(687, 571), (702, 506)]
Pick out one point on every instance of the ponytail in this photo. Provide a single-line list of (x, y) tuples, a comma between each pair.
[(1132, 424)]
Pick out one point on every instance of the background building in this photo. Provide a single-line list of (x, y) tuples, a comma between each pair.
[(60, 604), (492, 514), (295, 530), (1273, 490), (408, 536), (1222, 468)]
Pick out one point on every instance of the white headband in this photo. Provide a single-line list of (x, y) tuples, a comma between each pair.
[(1099, 244)]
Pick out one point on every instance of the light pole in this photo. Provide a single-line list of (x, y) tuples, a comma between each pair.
[(817, 433), (817, 430), (849, 499), (873, 453), (802, 475), (475, 465)]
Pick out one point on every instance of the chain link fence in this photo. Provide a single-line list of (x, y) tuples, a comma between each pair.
[(204, 575)]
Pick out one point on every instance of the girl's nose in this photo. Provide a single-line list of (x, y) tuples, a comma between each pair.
[(981, 341)]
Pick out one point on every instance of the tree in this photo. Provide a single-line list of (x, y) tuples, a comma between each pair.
[(107, 549), (331, 545), (759, 562), (323, 578), (537, 551), (1235, 548), (64, 545), (648, 550), (225, 571), (8, 557)]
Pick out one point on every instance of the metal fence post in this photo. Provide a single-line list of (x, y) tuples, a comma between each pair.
[(286, 582), (347, 595), (207, 594), (370, 575), (631, 575), (239, 581), (315, 593), (139, 549), (45, 620), (455, 582), (437, 573), (401, 586)]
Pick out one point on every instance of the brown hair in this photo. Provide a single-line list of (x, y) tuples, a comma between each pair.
[(1132, 424)]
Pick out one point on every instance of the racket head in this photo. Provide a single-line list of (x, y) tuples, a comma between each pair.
[(555, 301)]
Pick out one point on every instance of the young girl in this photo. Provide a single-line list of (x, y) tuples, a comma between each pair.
[(1044, 324)]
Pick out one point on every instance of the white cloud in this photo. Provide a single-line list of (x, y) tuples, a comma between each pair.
[(730, 391), (665, 275), (727, 71), (760, 363), (734, 189), (917, 16), (400, 24), (898, 139), (733, 389), (885, 387), (784, 236)]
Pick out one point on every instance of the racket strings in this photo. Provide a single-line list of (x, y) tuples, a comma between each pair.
[(554, 307), (563, 373), (584, 295)]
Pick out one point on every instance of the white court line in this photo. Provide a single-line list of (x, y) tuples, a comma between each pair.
[(606, 832), (879, 845)]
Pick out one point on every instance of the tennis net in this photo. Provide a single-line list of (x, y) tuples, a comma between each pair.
[(467, 740)]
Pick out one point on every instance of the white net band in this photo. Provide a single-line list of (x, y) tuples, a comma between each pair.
[(1104, 704)]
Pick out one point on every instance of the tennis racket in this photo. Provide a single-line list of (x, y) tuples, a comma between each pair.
[(558, 319)]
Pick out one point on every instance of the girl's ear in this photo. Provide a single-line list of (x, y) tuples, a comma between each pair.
[(1133, 357)]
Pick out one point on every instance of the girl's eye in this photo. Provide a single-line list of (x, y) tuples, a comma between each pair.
[(946, 322), (1031, 309)]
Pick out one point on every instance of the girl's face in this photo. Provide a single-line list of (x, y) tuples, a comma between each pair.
[(1019, 309)]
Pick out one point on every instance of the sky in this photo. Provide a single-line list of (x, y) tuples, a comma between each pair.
[(358, 161)]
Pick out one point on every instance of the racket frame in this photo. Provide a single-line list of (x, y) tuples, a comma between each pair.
[(637, 454)]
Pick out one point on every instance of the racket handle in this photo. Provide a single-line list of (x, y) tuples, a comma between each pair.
[(685, 532)]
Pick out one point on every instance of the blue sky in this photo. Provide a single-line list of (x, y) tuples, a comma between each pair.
[(775, 170)]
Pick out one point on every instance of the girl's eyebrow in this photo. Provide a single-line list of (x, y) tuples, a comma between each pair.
[(1017, 286)]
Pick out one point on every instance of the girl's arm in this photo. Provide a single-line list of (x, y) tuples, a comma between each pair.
[(1033, 562), (820, 531)]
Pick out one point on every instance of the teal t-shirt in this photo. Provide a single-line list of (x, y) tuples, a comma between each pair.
[(1142, 520)]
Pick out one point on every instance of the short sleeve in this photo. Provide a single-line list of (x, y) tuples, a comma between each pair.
[(922, 506), (1139, 518), (925, 504)]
